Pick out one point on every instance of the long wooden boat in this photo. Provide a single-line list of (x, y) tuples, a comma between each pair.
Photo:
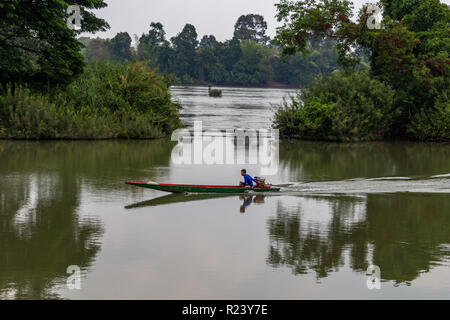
[(188, 188)]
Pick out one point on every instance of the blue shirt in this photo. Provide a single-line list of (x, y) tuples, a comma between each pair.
[(248, 181)]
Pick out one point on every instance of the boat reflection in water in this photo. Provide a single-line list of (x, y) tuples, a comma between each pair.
[(180, 198), (175, 198), (248, 200)]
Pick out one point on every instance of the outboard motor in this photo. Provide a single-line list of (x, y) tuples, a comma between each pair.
[(260, 182)]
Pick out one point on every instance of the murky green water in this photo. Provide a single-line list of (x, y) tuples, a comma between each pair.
[(342, 208)]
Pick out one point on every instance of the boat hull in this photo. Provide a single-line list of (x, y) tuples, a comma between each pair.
[(178, 188)]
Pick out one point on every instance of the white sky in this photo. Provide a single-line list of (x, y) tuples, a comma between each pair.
[(215, 17)]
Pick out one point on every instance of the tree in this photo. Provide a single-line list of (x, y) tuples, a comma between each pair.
[(207, 60), (427, 19), (251, 27), (410, 51), (166, 57), (217, 74), (230, 53), (120, 47), (307, 20), (258, 56), (185, 45), (154, 47), (186, 39), (156, 35), (208, 41), (97, 50), (149, 43), (37, 46)]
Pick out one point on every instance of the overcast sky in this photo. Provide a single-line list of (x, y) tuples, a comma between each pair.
[(215, 17)]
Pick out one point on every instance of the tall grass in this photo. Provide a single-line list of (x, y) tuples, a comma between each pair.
[(107, 101)]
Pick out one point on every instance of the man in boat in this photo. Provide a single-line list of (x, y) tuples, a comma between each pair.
[(248, 180)]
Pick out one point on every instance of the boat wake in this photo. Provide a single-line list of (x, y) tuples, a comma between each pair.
[(432, 184)]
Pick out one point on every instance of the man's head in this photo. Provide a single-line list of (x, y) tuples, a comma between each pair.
[(243, 172)]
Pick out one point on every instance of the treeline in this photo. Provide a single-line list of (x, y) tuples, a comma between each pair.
[(404, 94), (48, 92), (250, 58)]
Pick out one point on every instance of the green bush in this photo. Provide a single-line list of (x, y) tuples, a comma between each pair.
[(434, 124), (107, 101), (340, 107), (122, 88)]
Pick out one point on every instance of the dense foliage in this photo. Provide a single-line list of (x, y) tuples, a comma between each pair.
[(409, 52), (47, 92), (341, 107), (107, 101), (36, 44), (248, 59)]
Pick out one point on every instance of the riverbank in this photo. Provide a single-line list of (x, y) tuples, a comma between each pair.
[(239, 108)]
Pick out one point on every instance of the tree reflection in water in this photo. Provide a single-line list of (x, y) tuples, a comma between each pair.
[(41, 229), (41, 235), (404, 234), (313, 160)]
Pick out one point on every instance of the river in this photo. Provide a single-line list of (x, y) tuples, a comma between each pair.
[(341, 209)]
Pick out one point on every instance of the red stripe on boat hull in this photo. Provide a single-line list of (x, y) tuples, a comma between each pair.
[(190, 185)]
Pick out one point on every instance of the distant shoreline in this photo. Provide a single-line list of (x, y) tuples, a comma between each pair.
[(274, 85)]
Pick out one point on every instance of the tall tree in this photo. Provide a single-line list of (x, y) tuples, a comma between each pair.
[(186, 39), (120, 47), (251, 27), (156, 35), (37, 45), (185, 45), (150, 45)]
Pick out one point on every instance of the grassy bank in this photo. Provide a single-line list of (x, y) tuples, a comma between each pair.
[(107, 101)]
